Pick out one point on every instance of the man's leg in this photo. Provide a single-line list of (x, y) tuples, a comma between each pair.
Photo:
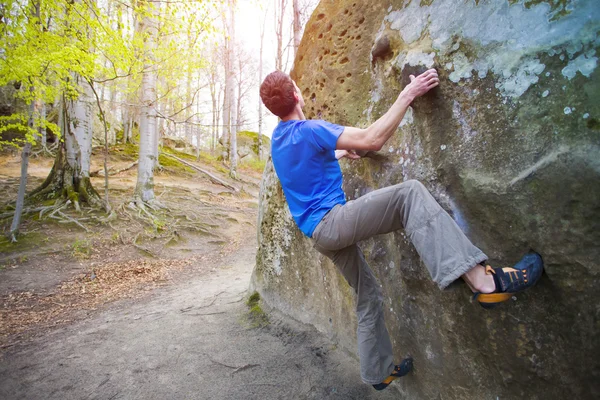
[(443, 247), (374, 346)]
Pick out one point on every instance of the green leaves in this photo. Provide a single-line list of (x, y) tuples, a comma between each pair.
[(45, 43)]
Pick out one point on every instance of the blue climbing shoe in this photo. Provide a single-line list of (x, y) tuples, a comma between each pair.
[(399, 370), (509, 281)]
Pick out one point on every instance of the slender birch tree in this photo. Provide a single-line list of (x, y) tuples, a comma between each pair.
[(148, 28), (279, 22), (296, 26), (233, 157)]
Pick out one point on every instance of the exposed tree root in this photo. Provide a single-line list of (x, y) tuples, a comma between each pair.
[(63, 182)]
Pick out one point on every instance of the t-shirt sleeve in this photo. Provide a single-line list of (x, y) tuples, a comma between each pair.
[(324, 134)]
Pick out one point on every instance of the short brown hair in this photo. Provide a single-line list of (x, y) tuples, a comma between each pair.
[(277, 93)]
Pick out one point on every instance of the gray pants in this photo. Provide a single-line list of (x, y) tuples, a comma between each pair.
[(443, 247)]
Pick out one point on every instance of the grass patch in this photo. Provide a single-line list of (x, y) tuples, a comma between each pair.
[(81, 249), (256, 315), (127, 151), (25, 241), (214, 160), (173, 164), (253, 164), (180, 154)]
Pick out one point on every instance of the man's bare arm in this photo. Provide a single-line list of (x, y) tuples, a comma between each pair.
[(375, 136)]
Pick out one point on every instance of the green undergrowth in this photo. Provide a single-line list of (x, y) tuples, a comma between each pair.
[(81, 249), (253, 165), (130, 152), (207, 158), (177, 153), (26, 241), (127, 151), (173, 165), (256, 316)]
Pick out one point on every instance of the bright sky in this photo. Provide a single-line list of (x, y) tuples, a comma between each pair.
[(249, 16)]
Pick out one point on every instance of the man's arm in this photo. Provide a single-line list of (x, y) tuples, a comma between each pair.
[(374, 137)]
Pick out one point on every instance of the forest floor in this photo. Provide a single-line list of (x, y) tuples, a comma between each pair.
[(153, 308)]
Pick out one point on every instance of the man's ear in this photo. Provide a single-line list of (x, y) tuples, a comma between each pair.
[(296, 96)]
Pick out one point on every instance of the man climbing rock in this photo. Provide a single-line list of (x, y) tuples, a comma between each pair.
[(305, 155)]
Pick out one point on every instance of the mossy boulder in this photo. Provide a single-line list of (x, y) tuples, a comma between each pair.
[(247, 145), (509, 144)]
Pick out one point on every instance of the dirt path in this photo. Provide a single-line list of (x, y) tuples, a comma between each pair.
[(190, 340), (91, 316)]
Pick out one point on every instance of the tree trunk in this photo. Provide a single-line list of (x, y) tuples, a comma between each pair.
[(297, 27), (112, 108), (220, 93), (81, 114), (279, 17), (213, 98), (157, 137), (70, 174), (260, 78), (148, 153), (229, 85), (16, 222), (231, 96), (40, 110), (126, 126)]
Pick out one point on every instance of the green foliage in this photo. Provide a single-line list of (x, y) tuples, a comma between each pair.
[(253, 164), (51, 48), (43, 48)]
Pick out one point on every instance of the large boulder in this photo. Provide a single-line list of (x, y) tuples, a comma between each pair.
[(509, 144)]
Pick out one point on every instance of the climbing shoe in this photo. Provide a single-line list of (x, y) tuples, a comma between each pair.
[(509, 281), (399, 370)]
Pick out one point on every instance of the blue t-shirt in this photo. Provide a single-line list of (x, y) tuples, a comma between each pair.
[(303, 154)]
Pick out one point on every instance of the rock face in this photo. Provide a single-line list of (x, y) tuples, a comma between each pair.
[(509, 144)]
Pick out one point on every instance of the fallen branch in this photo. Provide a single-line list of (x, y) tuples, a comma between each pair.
[(213, 178), (111, 171)]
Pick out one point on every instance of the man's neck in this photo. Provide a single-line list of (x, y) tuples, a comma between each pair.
[(297, 114)]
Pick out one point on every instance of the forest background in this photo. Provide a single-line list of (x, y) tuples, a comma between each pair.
[(145, 77)]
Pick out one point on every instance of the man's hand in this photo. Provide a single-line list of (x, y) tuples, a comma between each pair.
[(351, 154), (373, 137), (421, 84)]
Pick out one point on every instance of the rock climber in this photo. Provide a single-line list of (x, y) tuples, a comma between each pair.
[(305, 156)]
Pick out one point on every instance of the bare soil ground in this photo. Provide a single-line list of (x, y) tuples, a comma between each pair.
[(58, 271), (136, 308)]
